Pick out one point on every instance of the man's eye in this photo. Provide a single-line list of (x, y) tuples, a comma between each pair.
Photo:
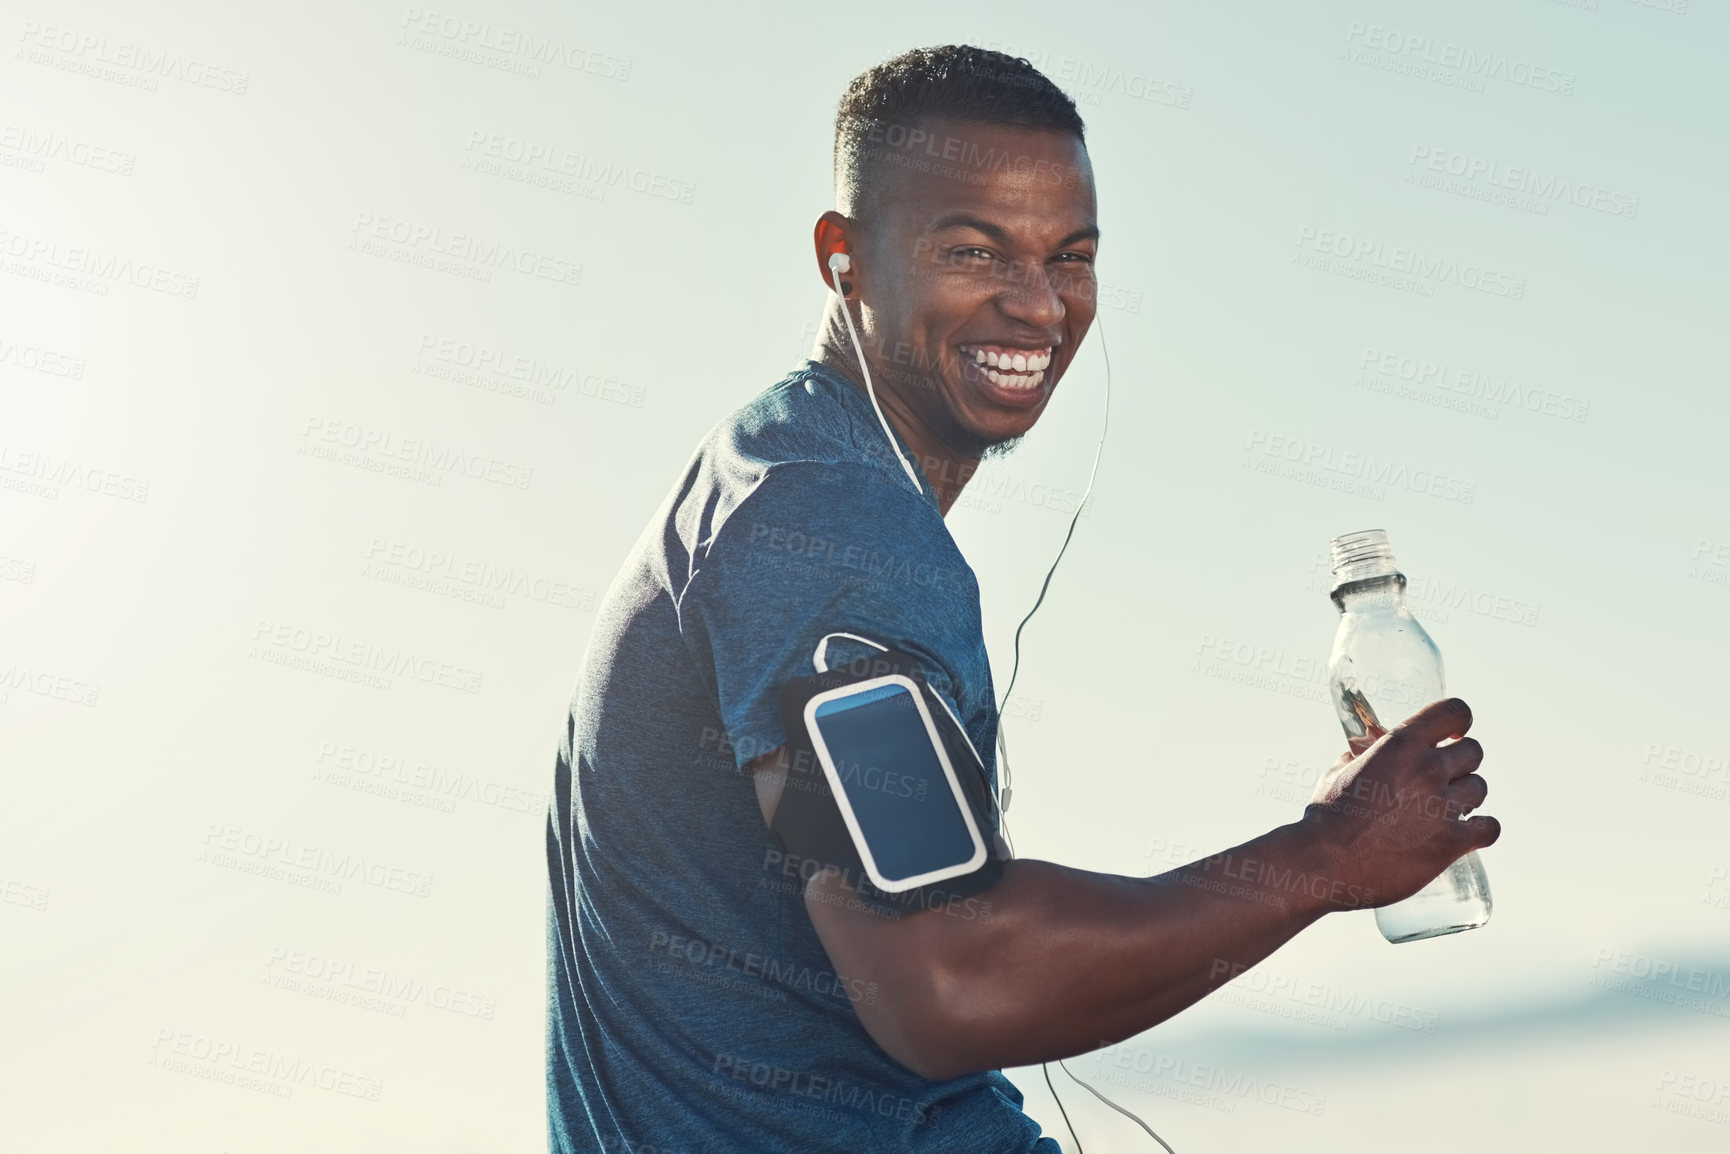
[(971, 253)]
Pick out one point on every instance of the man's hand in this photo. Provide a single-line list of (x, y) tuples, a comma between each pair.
[(1390, 816)]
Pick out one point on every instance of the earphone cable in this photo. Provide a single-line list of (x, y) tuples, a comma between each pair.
[(1044, 1068), (835, 274), (1113, 1105), (1007, 789)]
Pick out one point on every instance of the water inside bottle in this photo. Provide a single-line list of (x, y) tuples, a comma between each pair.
[(1457, 900)]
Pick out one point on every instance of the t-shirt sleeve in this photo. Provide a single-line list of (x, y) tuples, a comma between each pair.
[(816, 549)]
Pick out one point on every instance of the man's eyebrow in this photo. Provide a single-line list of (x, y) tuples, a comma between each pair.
[(996, 233), (1091, 232)]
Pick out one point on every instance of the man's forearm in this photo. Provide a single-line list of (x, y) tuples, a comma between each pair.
[(1069, 960)]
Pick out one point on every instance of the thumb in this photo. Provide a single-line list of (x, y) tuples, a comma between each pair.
[(1480, 831)]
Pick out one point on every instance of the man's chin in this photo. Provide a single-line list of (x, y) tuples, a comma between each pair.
[(999, 449), (982, 444)]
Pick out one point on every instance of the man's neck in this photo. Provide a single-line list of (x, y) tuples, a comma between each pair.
[(946, 469)]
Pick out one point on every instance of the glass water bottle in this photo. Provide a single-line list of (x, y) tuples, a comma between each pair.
[(1383, 669)]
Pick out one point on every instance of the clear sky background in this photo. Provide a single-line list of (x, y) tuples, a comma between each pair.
[(201, 301)]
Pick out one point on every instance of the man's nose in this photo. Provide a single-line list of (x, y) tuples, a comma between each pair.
[(1031, 295)]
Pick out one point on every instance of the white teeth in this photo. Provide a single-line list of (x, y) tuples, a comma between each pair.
[(1010, 381), (1013, 370)]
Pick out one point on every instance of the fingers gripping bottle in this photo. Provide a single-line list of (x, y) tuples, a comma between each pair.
[(1384, 668)]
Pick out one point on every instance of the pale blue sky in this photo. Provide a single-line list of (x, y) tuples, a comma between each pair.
[(1282, 122)]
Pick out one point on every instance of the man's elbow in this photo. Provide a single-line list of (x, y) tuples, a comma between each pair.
[(935, 1003), (939, 1032)]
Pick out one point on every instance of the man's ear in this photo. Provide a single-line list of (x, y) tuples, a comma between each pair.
[(835, 233)]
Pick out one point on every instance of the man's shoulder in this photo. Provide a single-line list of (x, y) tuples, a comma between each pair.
[(809, 416), (800, 443)]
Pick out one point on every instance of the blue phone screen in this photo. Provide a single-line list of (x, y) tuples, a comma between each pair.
[(894, 782)]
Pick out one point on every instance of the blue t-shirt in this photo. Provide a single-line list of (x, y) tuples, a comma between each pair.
[(690, 1004)]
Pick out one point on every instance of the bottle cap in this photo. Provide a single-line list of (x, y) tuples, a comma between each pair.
[(1362, 555)]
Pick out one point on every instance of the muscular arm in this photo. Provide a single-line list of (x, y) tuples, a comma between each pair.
[(1069, 960)]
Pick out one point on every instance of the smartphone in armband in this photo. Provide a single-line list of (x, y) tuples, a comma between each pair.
[(884, 786), (894, 783)]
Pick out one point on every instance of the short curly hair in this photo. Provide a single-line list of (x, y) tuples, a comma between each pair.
[(949, 82)]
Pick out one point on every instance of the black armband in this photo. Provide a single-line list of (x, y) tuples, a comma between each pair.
[(914, 803)]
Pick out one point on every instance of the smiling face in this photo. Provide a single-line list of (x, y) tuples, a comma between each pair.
[(978, 282)]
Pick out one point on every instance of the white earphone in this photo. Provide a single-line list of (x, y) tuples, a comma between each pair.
[(840, 262)]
